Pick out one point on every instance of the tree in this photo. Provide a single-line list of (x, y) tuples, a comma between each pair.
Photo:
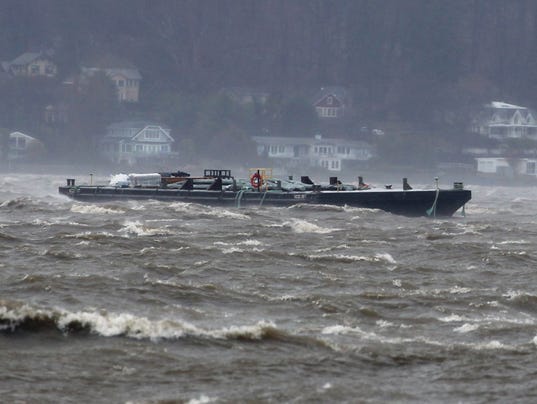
[(93, 105)]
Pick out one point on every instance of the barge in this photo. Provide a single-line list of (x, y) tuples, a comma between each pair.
[(219, 187)]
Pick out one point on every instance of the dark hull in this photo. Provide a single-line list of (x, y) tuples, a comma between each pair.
[(408, 203)]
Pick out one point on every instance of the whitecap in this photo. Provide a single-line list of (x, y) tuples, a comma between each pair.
[(138, 229), (303, 226), (203, 399), (459, 290), (385, 257), (384, 324), (93, 209), (341, 329), (466, 327)]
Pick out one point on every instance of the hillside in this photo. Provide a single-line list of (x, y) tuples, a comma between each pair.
[(414, 62)]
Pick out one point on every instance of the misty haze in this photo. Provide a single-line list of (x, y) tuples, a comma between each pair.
[(403, 85), (268, 201)]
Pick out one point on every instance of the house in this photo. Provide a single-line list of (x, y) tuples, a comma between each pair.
[(331, 102), (135, 142), (330, 154), (499, 120), (126, 80), (19, 146), (31, 64), (507, 167)]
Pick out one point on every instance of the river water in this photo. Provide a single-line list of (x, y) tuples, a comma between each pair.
[(151, 302)]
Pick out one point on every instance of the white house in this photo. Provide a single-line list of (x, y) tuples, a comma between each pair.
[(507, 166), (21, 146), (499, 120), (133, 142), (331, 154)]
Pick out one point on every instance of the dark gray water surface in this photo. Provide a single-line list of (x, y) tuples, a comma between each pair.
[(150, 302)]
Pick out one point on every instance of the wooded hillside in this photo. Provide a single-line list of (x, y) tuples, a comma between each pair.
[(419, 61)]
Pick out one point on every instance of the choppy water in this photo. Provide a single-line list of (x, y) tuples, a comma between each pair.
[(149, 302)]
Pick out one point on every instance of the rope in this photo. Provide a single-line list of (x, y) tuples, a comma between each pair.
[(263, 199), (239, 197), (432, 209)]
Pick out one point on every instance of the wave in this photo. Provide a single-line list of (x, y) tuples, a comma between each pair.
[(24, 202), (202, 210), (443, 348), (303, 226), (346, 258), (16, 318), (317, 207), (96, 210), (137, 228)]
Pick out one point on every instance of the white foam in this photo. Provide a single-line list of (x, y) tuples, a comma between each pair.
[(303, 226), (466, 327), (203, 399), (341, 329), (385, 257), (139, 229), (95, 210), (459, 290), (384, 324), (191, 208)]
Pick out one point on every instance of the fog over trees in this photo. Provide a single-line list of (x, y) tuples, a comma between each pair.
[(419, 64)]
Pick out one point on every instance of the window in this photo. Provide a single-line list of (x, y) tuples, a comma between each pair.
[(530, 167), (121, 83), (281, 149), (164, 148), (34, 69), (152, 133), (330, 100)]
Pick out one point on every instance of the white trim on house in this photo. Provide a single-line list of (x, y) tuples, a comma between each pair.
[(500, 120), (505, 166), (330, 154), (19, 145), (133, 141)]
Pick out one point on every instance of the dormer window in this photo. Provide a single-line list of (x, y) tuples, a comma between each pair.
[(330, 100)]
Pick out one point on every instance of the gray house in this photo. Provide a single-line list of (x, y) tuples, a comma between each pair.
[(136, 142)]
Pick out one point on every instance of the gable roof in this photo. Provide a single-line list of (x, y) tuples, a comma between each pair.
[(131, 129), (309, 141), (504, 105), (128, 73), (136, 124), (25, 58), (339, 92)]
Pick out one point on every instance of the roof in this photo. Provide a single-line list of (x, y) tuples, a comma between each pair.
[(504, 105), (129, 73), (310, 141), (136, 124), (339, 92), (26, 58), (115, 130)]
